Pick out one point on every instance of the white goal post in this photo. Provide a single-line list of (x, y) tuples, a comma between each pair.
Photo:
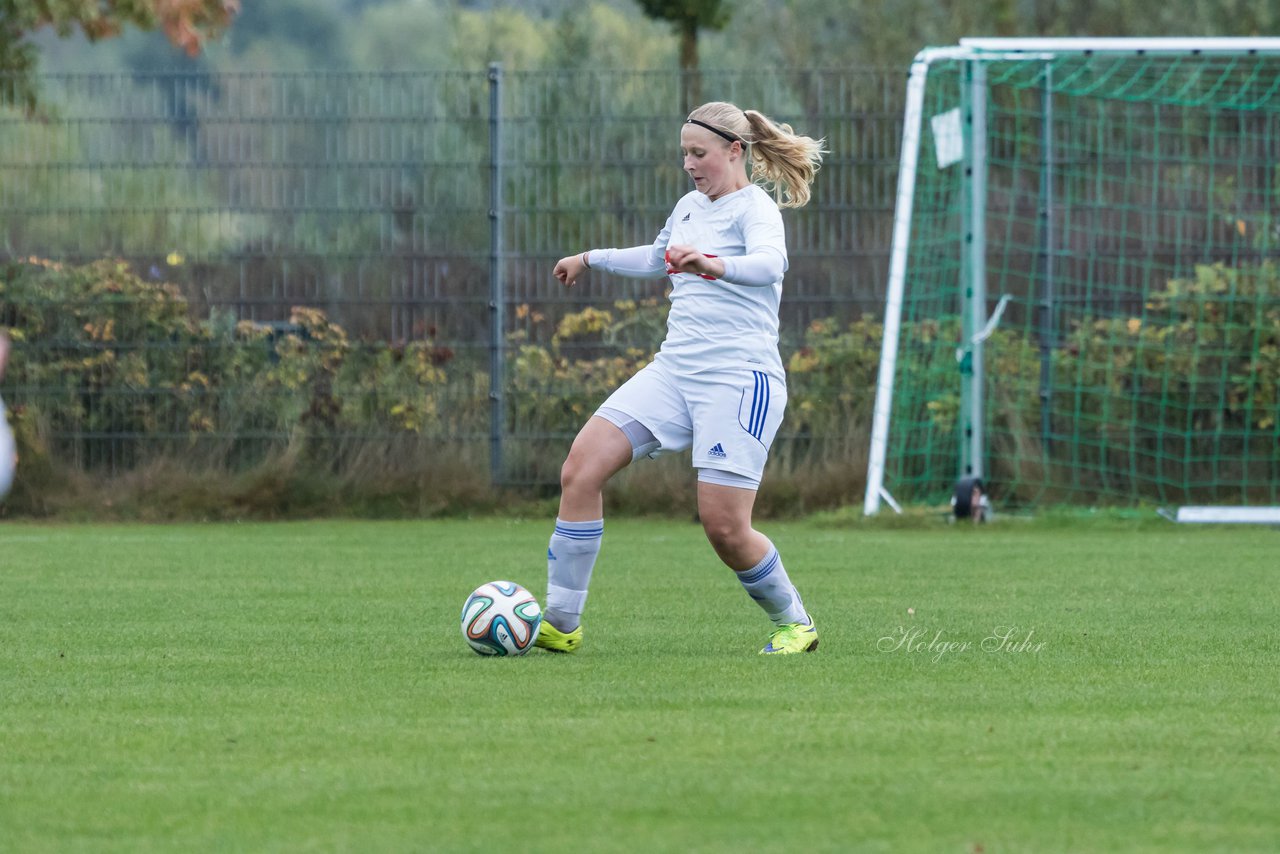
[(976, 55)]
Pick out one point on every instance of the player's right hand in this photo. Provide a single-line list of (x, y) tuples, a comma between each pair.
[(568, 269)]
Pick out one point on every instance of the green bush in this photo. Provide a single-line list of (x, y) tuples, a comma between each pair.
[(112, 373), (831, 382), (101, 351), (1203, 358), (554, 388)]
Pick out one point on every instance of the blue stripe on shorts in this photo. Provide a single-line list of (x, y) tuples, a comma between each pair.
[(759, 405)]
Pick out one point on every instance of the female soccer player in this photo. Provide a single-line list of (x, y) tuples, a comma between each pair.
[(8, 454), (717, 384)]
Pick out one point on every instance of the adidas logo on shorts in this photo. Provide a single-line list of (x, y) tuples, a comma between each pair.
[(686, 218), (717, 451)]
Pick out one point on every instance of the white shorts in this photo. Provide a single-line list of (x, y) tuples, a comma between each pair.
[(7, 452), (728, 417)]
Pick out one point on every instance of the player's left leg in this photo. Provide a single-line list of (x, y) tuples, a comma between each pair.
[(725, 511), (736, 414)]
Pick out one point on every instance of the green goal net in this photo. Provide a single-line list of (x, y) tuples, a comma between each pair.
[(1086, 283)]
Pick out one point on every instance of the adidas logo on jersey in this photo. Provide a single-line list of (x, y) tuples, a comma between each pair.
[(686, 218), (717, 451)]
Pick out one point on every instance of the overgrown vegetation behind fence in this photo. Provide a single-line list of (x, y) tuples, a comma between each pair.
[(358, 211), (112, 372)]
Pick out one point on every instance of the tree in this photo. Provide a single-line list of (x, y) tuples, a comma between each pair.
[(688, 17), (186, 23)]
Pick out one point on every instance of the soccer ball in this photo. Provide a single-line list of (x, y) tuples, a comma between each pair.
[(501, 618)]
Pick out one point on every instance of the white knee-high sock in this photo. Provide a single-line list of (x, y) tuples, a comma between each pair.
[(571, 556), (767, 583)]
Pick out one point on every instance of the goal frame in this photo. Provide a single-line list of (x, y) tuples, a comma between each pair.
[(976, 326)]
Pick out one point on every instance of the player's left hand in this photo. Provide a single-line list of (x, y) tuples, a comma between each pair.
[(687, 259)]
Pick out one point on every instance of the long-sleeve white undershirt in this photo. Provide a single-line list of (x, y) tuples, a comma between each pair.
[(644, 262)]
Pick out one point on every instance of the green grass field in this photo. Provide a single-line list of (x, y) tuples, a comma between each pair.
[(304, 686)]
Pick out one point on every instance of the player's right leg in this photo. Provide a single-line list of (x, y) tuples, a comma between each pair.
[(600, 451), (8, 454), (8, 451)]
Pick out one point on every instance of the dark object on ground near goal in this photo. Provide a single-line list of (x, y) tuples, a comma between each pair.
[(968, 500)]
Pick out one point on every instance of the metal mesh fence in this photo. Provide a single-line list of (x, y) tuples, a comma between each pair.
[(372, 198)]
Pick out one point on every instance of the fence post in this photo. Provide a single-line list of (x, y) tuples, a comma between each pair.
[(497, 298)]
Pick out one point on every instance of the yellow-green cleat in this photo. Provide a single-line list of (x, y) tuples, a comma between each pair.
[(553, 640), (791, 637)]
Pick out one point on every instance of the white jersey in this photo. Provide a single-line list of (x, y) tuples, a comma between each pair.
[(729, 321)]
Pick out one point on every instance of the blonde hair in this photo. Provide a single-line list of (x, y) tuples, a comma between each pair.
[(782, 161)]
